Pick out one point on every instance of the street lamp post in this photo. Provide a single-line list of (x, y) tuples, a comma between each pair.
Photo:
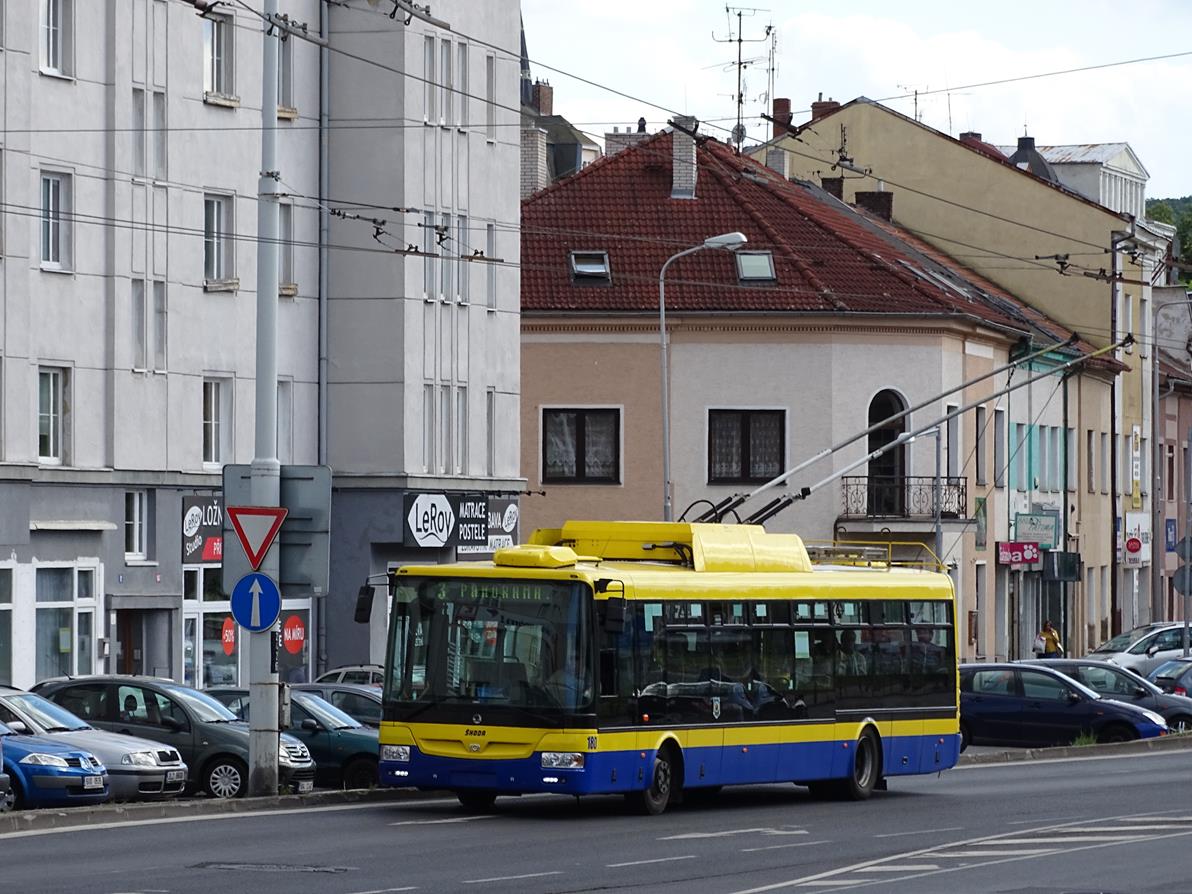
[(727, 242)]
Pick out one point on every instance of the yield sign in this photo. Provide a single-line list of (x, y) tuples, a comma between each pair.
[(256, 527)]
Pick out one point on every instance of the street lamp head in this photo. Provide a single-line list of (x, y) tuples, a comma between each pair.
[(727, 241)]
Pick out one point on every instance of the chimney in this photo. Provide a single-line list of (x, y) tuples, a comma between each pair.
[(879, 203), (544, 98), (778, 160), (683, 167), (622, 139), (1026, 144), (833, 185), (534, 172), (781, 116), (971, 136), (822, 107)]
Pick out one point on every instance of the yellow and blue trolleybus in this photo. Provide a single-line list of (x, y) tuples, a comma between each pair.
[(662, 659)]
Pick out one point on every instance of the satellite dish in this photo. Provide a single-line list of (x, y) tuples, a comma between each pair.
[(738, 134)]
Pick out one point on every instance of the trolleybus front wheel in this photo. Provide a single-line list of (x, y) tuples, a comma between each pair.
[(477, 800), (663, 784)]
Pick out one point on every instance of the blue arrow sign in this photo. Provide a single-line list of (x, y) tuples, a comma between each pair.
[(256, 602)]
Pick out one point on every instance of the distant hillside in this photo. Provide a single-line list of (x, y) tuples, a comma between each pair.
[(1179, 207)]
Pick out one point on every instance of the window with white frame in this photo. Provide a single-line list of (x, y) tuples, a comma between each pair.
[(285, 77), (218, 58), (430, 86), (429, 282), (64, 621), (447, 83), (56, 44), (490, 431), (285, 421), (1169, 473), (55, 220), (581, 445), (461, 77), (490, 252), (461, 430), (952, 433), (51, 414), (1070, 459), (216, 421), (136, 526), (490, 96), (285, 249), (138, 131), (445, 415), (461, 242), (140, 322), (217, 238), (1104, 477), (161, 325), (428, 427), (160, 135), (5, 626), (446, 267)]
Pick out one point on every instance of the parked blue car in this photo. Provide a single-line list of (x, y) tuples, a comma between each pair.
[(46, 773), (1029, 705)]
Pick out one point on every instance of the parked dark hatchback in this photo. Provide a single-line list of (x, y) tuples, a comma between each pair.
[(361, 703), (1174, 676), (1115, 682), (1030, 705)]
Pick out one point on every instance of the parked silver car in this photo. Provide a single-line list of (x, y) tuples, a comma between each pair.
[(138, 769), (1143, 648)]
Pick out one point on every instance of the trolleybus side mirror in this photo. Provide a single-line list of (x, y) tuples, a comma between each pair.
[(364, 600)]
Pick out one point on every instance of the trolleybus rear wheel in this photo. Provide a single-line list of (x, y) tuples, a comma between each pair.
[(866, 769), (478, 801)]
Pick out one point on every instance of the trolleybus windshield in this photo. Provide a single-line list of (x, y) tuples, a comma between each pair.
[(521, 643)]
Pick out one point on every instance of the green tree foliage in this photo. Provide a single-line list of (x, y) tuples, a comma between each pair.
[(1161, 212)]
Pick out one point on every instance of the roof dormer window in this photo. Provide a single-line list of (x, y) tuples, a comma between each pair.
[(590, 267), (755, 266)]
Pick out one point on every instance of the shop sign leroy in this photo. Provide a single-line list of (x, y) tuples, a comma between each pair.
[(474, 524), (202, 530)]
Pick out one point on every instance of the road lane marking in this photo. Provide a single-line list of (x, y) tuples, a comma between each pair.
[(919, 832), (1149, 819), (835, 882), (1021, 852), (644, 862), (1061, 839), (774, 847), (687, 836), (1137, 828), (1037, 822), (387, 890), (912, 867), (508, 878), (454, 819)]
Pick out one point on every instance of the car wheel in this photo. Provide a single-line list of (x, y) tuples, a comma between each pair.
[(11, 799), (655, 799), (1180, 724), (226, 777), (477, 801), (1117, 733), (965, 739), (361, 772)]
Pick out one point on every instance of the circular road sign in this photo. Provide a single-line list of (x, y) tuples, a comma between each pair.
[(1133, 545)]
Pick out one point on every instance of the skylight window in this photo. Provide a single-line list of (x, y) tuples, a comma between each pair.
[(590, 267), (755, 266)]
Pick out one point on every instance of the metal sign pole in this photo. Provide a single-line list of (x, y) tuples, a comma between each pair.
[(1187, 533)]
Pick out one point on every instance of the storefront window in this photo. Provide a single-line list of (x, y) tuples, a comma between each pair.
[(6, 626), (220, 640), (53, 640), (55, 584), (293, 658), (190, 628), (85, 656), (213, 585)]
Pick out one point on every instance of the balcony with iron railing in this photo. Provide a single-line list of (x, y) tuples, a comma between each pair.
[(902, 497)]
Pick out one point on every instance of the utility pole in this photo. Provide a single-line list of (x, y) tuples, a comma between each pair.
[(265, 481), (739, 40)]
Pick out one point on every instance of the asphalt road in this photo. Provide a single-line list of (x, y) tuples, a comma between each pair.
[(1104, 824)]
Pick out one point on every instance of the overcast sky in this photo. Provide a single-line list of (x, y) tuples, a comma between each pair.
[(662, 51)]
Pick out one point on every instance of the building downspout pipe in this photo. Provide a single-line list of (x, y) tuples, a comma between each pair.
[(324, 240)]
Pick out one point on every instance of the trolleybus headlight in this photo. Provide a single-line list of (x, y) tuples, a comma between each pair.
[(395, 753), (567, 760)]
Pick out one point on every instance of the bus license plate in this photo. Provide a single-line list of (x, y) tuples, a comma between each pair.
[(93, 782), (175, 775), (305, 786)]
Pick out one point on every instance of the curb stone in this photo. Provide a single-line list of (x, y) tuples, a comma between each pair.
[(1139, 746), (71, 817)]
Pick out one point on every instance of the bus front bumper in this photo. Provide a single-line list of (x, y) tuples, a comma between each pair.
[(601, 772)]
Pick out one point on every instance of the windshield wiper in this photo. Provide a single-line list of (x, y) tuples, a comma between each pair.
[(64, 729)]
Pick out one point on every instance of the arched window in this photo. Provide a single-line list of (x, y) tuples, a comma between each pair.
[(887, 473)]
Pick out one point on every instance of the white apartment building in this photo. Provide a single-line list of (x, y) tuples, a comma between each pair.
[(127, 310)]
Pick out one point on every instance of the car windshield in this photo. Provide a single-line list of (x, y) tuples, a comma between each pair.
[(1170, 669), (202, 705), (48, 716), (325, 712), (1122, 641)]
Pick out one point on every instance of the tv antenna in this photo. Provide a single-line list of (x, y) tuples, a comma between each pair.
[(740, 40)]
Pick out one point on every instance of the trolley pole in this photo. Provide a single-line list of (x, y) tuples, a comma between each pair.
[(265, 476)]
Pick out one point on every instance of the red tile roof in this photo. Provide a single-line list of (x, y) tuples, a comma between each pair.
[(826, 259)]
